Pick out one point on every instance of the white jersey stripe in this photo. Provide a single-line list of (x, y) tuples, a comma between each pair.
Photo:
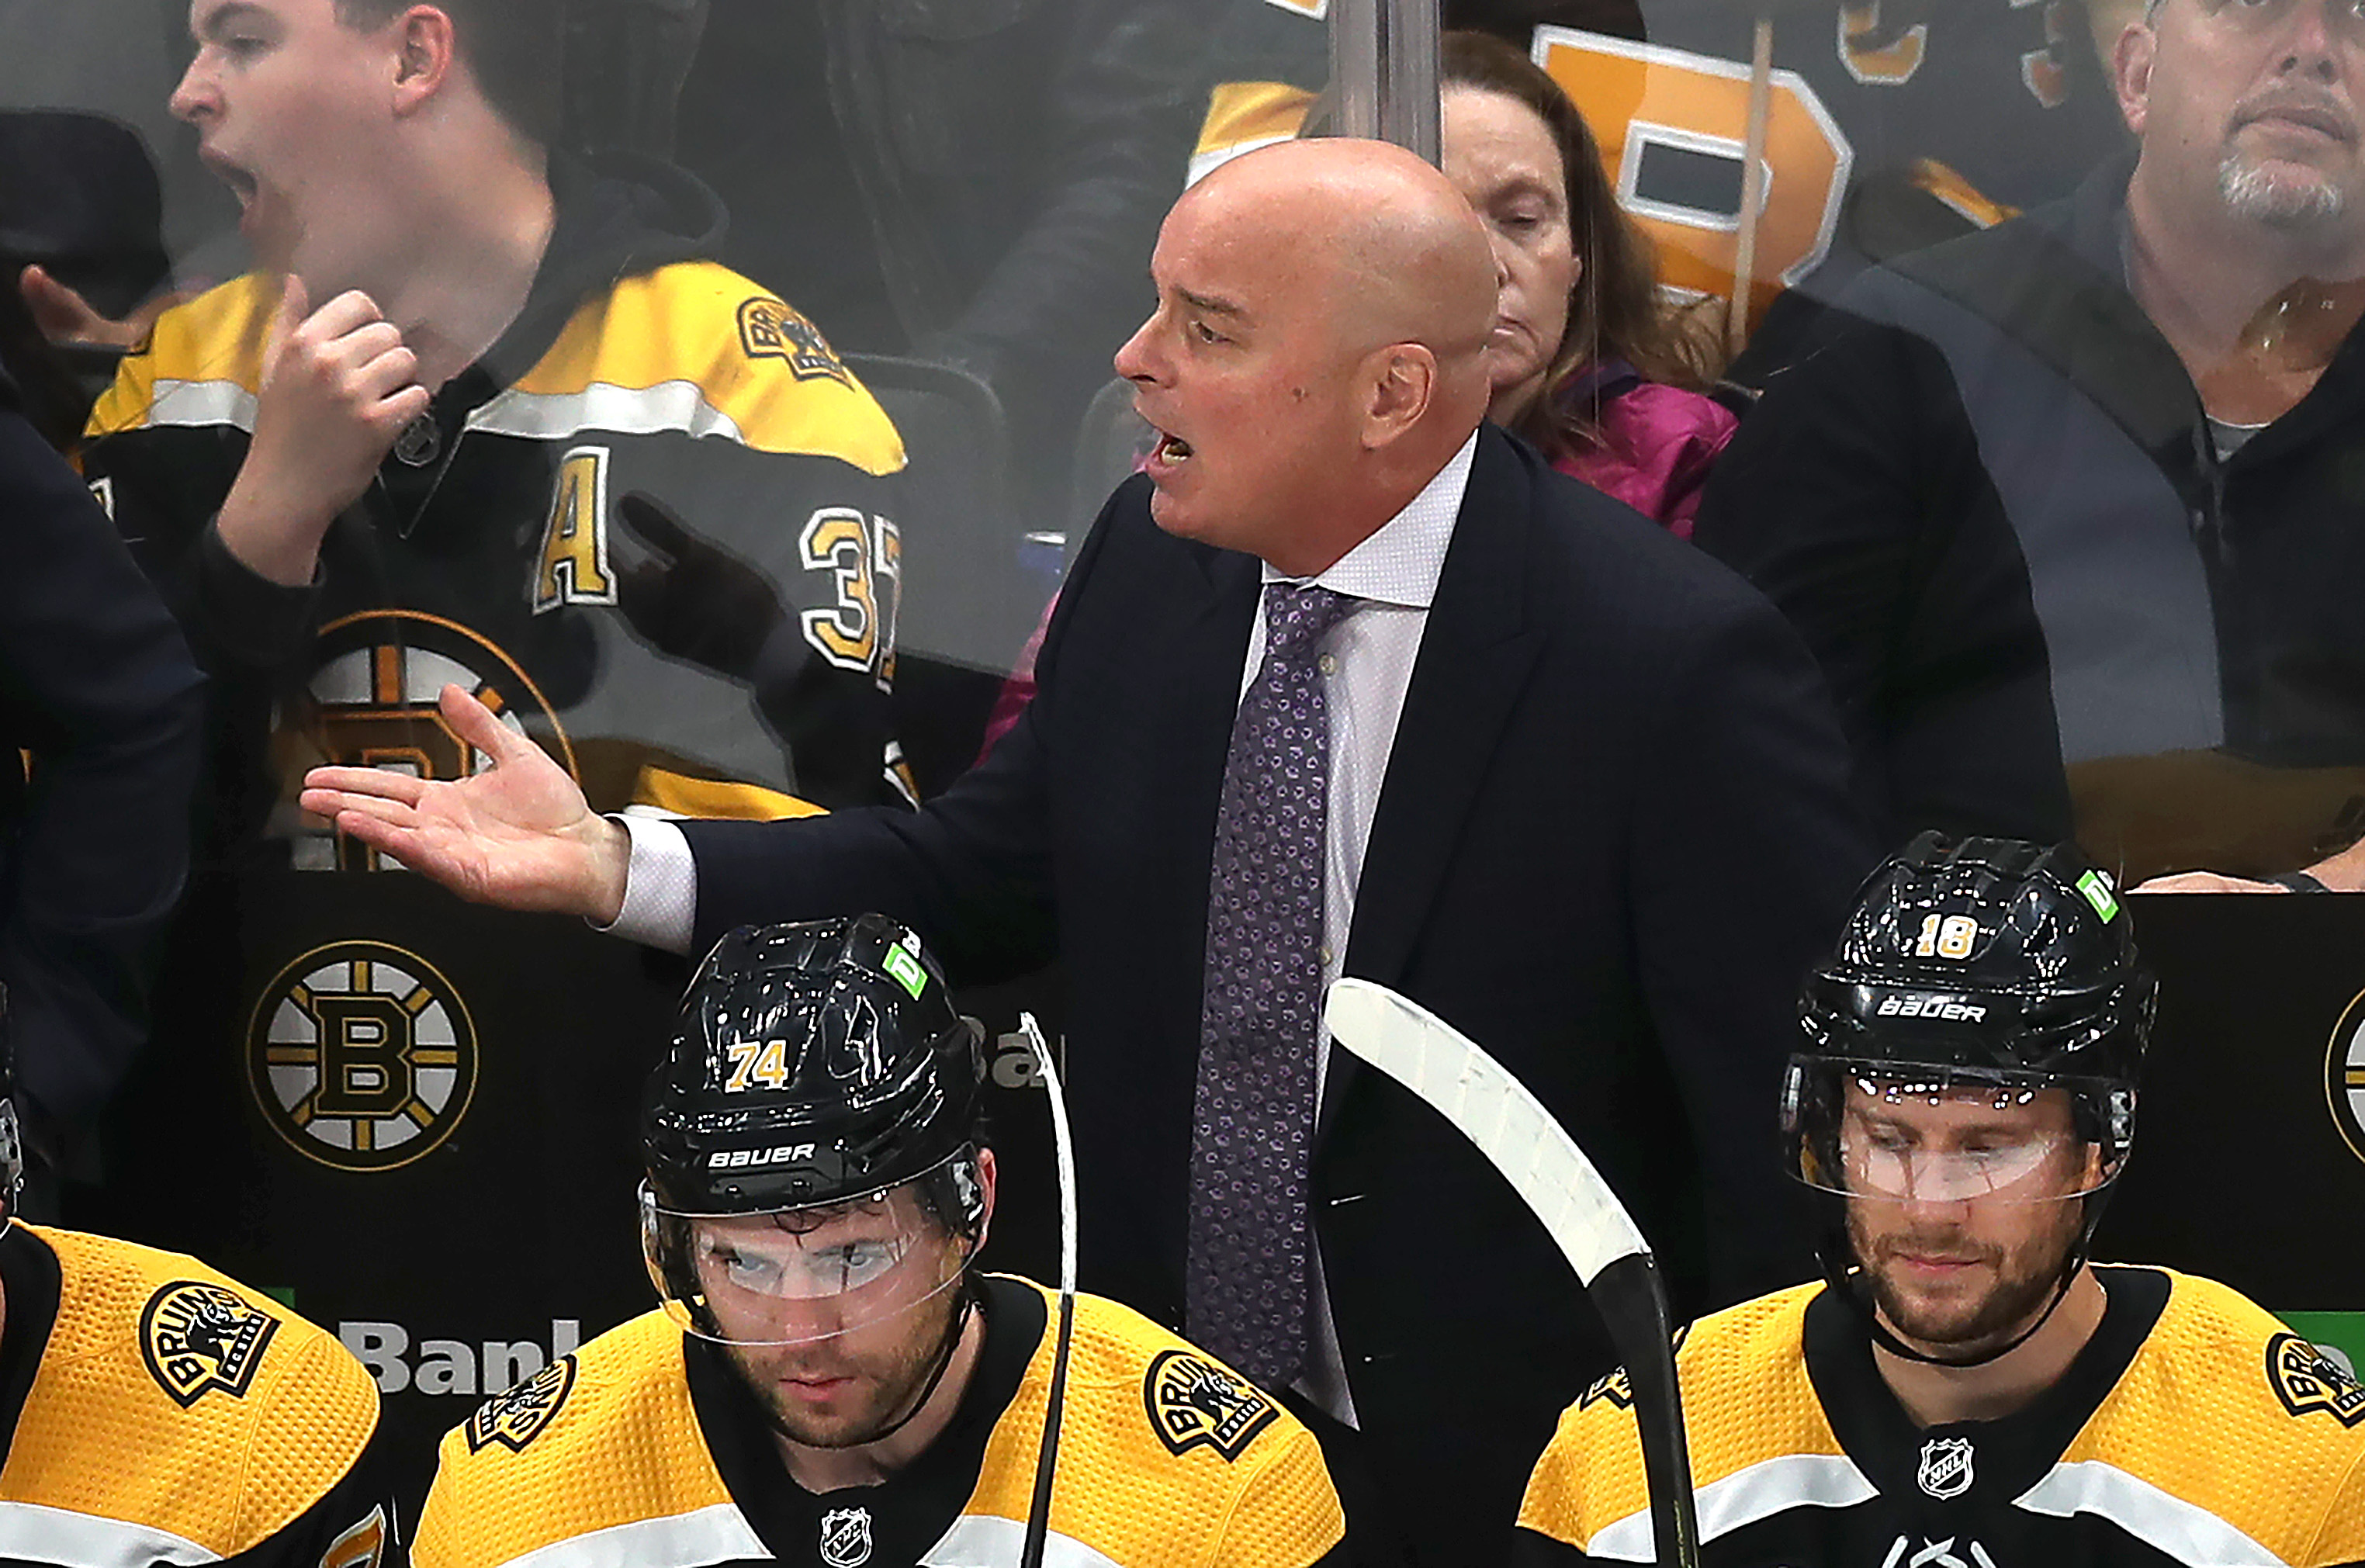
[(2167, 1523), (201, 405), (985, 1541), (30, 1532), (667, 408), (715, 1534), (1743, 1497), (670, 406)]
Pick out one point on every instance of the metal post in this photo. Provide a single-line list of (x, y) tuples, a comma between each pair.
[(1752, 183), (1383, 71)]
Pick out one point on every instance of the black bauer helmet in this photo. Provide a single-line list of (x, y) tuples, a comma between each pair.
[(818, 1075), (1979, 963)]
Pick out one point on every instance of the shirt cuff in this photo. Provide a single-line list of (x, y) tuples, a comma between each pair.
[(660, 886)]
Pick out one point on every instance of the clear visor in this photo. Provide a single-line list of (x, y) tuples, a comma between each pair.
[(796, 1276), (1937, 1137)]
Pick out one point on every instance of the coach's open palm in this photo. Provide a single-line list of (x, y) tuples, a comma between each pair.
[(518, 835)]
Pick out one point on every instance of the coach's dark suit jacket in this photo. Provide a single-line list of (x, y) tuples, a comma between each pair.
[(1613, 833)]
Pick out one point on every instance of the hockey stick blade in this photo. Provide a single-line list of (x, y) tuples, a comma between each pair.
[(1510, 1126)]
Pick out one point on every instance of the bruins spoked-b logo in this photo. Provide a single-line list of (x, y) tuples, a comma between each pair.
[(2306, 1380), (362, 1055), (771, 329), (197, 1338), (2344, 1076), (1194, 1402), (511, 1419), (371, 701)]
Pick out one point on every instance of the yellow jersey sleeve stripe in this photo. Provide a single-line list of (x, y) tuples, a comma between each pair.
[(719, 1534), (1242, 112), (1742, 1499), (203, 363), (31, 1532), (2167, 1523), (666, 794), (665, 351)]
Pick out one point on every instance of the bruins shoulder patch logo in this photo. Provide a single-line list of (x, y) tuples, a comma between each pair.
[(771, 329), (1194, 1402), (2307, 1380), (1613, 1387), (197, 1337), (513, 1420), (1616, 1388)]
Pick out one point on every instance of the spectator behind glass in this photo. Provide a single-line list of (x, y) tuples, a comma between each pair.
[(2070, 509), (99, 698), (1588, 360)]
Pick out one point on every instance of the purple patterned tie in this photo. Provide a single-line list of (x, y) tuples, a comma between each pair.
[(1259, 1020)]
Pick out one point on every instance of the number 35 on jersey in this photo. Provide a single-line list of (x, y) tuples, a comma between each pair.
[(859, 558)]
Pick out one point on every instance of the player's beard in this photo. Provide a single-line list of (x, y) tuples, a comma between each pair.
[(887, 1381), (2022, 1284)]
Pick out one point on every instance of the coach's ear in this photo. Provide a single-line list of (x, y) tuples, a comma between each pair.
[(423, 54), (2130, 62)]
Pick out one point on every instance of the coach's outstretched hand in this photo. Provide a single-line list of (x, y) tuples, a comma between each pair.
[(520, 834)]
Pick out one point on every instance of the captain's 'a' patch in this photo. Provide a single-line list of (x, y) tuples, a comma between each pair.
[(2306, 1380), (1194, 1402), (197, 1338), (511, 1419)]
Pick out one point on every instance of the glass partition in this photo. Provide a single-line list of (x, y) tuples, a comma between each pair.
[(2005, 344)]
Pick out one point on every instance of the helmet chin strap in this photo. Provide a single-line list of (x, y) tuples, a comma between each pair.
[(964, 1304), (1850, 1282), (1889, 1341)]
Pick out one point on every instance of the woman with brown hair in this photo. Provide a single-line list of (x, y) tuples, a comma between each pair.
[(1588, 361)]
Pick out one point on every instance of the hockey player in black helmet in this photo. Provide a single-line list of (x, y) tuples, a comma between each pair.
[(829, 1378), (816, 1179), (1977, 1035), (1965, 1389)]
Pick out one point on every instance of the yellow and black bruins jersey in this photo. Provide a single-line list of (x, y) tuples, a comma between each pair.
[(2191, 1429), (645, 1447), (155, 1412), (727, 651)]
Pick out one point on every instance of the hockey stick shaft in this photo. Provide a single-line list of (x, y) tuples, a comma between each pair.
[(1047, 1462), (1511, 1128)]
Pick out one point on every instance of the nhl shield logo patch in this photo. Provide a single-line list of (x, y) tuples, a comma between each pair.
[(197, 1338), (511, 1419), (846, 1538), (2306, 1380), (1194, 1402), (362, 1055), (1946, 1469)]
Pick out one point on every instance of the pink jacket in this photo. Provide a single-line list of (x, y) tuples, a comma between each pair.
[(1656, 445)]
